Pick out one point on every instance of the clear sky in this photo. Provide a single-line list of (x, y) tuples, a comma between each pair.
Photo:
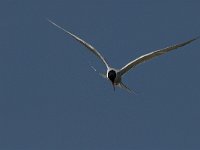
[(50, 98)]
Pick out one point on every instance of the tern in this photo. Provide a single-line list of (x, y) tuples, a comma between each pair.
[(115, 75)]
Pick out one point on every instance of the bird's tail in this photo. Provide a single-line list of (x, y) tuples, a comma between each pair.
[(101, 74), (123, 86)]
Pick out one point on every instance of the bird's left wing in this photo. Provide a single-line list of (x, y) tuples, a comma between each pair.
[(151, 55), (87, 45)]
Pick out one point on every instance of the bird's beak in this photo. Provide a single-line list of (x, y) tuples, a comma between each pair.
[(113, 86)]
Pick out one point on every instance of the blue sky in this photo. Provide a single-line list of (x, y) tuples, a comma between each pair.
[(51, 99)]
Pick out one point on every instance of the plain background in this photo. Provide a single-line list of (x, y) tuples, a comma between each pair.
[(51, 99)]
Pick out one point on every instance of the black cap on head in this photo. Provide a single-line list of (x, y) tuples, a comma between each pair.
[(112, 75)]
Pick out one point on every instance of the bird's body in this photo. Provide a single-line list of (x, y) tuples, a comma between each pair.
[(115, 75)]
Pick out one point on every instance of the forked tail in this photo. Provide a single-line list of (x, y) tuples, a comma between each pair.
[(101, 74), (123, 86)]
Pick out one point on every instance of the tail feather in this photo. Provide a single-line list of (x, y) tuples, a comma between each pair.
[(101, 74), (123, 86)]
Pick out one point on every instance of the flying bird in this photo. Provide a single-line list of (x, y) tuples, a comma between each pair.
[(115, 75)]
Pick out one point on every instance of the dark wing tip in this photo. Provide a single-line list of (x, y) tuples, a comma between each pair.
[(196, 38), (187, 42)]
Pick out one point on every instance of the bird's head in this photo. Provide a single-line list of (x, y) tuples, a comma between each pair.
[(111, 76)]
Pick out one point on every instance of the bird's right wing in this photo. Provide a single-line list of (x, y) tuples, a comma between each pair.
[(151, 55), (87, 45)]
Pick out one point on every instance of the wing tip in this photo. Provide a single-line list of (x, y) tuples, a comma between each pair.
[(194, 39), (53, 23), (197, 37), (49, 20)]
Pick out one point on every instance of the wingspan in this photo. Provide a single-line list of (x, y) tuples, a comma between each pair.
[(87, 45), (151, 55)]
